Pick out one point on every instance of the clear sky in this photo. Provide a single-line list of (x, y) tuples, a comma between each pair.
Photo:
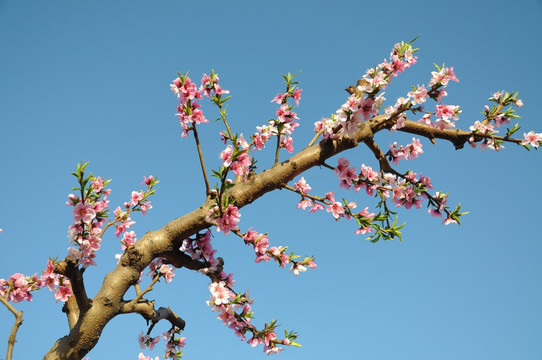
[(90, 81)]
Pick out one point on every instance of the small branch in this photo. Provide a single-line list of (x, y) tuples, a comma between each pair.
[(278, 147), (380, 156), (148, 289), (207, 188), (497, 111), (457, 137), (316, 136), (312, 197), (179, 259), (18, 321), (145, 308), (137, 289)]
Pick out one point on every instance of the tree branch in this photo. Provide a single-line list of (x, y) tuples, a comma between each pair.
[(166, 241), (79, 302), (18, 322), (146, 309), (207, 188)]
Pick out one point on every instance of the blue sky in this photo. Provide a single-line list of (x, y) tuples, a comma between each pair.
[(90, 82)]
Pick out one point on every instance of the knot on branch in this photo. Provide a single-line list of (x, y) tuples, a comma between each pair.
[(132, 257)]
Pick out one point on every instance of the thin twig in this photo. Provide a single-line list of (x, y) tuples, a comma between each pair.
[(207, 188), (316, 136)]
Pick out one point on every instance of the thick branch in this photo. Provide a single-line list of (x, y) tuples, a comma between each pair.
[(79, 303)]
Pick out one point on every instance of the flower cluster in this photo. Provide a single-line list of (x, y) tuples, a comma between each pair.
[(174, 344), (201, 248), (235, 309), (19, 287), (138, 202), (225, 221), (260, 243), (158, 268), (90, 215), (189, 110), (57, 283), (409, 152), (90, 212), (496, 117), (407, 191), (237, 158), (235, 312), (365, 99), (285, 123)]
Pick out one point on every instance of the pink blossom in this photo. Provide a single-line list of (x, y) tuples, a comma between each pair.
[(446, 111), (220, 91), (363, 230), (297, 95), (302, 186), (220, 294), (500, 120), (84, 212), (483, 128), (418, 95), (285, 115), (413, 150), (315, 207), (128, 240), (142, 339), (97, 184), (366, 108), (531, 138), (63, 292), (286, 142), (441, 94), (342, 165), (123, 226), (49, 278), (226, 156), (229, 219), (443, 77), (145, 207), (255, 341), (278, 98), (167, 272), (148, 180), (136, 197), (241, 164), (337, 209), (304, 203), (369, 173), (345, 173), (297, 268)]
